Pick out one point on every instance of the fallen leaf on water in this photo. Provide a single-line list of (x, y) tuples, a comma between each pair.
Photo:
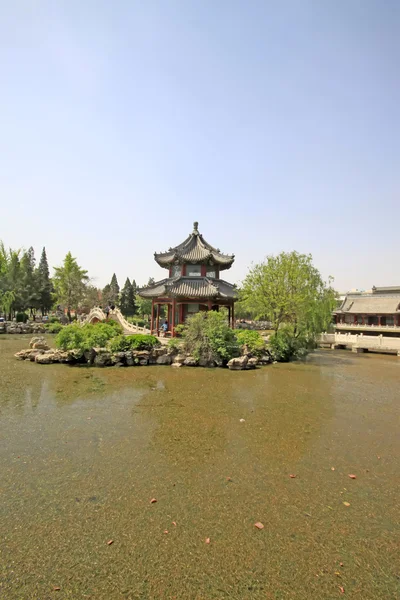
[(353, 476), (207, 540), (173, 523), (242, 420), (110, 542), (346, 503), (259, 525), (165, 530), (153, 500), (56, 588), (229, 478), (330, 507), (341, 589), (292, 476), (341, 564), (337, 573), (378, 457), (308, 514), (332, 468)]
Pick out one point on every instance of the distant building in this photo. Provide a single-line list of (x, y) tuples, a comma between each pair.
[(376, 312)]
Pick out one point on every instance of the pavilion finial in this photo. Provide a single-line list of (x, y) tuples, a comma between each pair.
[(196, 227)]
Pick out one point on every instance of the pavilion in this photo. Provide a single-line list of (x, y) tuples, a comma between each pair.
[(193, 283)]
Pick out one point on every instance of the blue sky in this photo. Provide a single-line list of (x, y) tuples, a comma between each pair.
[(274, 124)]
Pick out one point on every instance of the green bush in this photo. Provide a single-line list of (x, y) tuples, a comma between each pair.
[(138, 341), (54, 327), (251, 339), (285, 345), (207, 336), (21, 317), (174, 343), (54, 320), (85, 337)]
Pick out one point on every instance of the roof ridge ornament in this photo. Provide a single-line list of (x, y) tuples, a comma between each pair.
[(196, 228)]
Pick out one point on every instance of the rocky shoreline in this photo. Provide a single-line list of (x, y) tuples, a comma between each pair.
[(40, 352), (31, 327)]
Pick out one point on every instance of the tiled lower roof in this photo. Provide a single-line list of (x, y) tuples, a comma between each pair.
[(190, 287)]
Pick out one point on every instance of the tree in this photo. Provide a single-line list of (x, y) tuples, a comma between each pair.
[(134, 288), (151, 281), (127, 299), (289, 291), (6, 303), (28, 290), (106, 295), (114, 290), (44, 284), (70, 282), (143, 306), (91, 298)]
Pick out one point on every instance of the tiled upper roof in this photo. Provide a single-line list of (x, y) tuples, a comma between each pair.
[(371, 304), (190, 287), (194, 249)]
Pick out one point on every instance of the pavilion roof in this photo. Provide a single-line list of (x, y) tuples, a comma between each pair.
[(194, 249), (190, 287)]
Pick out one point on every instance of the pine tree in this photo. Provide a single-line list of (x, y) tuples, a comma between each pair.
[(70, 282), (135, 288), (44, 285), (114, 297), (127, 299), (28, 292), (106, 295)]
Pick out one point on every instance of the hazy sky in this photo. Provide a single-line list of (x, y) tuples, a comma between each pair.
[(274, 124)]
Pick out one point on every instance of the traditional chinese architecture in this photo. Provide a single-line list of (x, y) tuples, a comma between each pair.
[(377, 311), (193, 283)]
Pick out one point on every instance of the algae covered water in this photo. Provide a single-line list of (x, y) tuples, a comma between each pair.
[(84, 451)]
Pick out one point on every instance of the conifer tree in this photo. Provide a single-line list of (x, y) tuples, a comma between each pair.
[(127, 299), (44, 285)]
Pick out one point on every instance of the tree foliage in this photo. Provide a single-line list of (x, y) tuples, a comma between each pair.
[(289, 291), (70, 282), (207, 336), (44, 284), (127, 299)]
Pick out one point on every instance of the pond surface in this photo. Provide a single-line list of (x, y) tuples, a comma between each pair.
[(83, 451)]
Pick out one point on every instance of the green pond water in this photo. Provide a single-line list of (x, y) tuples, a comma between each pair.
[(83, 451)]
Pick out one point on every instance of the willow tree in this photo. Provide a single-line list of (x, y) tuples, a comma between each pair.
[(70, 282), (288, 290)]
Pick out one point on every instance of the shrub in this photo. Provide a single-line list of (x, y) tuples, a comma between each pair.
[(54, 320), (85, 337), (207, 336), (285, 345), (138, 341), (174, 344), (251, 339), (138, 322), (21, 317), (54, 327)]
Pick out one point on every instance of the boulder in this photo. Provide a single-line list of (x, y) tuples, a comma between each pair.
[(176, 364), (252, 363), (265, 359), (102, 358), (205, 362), (47, 357), (28, 354), (164, 359), (129, 359), (180, 358), (238, 364), (39, 343), (190, 361), (118, 359)]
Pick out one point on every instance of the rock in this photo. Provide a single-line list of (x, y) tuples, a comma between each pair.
[(252, 363), (89, 356), (102, 358), (180, 358), (28, 354), (163, 360), (176, 364), (238, 364), (204, 362), (265, 359), (46, 358), (129, 359), (118, 359), (190, 361)]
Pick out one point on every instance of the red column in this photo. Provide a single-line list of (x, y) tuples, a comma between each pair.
[(233, 316), (379, 320), (158, 318), (152, 316), (169, 317), (355, 319), (173, 318)]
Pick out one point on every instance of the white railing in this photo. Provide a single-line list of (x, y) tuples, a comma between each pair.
[(365, 326), (366, 342), (116, 315)]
